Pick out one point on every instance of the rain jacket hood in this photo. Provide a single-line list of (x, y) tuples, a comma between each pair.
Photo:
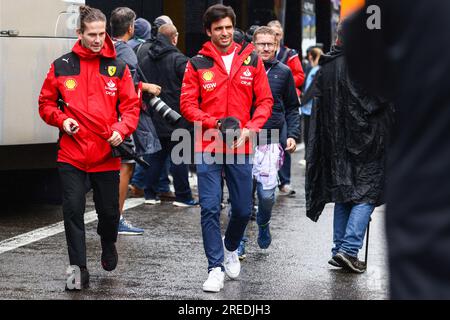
[(161, 47), (108, 50)]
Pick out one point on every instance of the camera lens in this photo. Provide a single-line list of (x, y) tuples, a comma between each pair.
[(165, 111)]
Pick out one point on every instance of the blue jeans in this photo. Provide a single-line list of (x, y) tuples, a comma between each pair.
[(180, 173), (349, 226), (284, 174), (239, 182), (164, 182), (138, 178), (266, 200)]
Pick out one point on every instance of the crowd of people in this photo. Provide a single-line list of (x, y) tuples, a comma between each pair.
[(244, 96)]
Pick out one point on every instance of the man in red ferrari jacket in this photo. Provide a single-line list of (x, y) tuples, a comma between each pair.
[(91, 82), (228, 80)]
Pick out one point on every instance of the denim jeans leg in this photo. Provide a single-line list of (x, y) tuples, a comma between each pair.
[(209, 176), (340, 219), (153, 173), (138, 178), (240, 183), (356, 228), (164, 182), (266, 200), (180, 174)]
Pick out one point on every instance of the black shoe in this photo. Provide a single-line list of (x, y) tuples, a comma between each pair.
[(84, 281), (349, 262), (109, 255), (286, 190), (334, 263)]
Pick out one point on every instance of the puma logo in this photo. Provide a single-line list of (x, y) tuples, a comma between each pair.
[(66, 60)]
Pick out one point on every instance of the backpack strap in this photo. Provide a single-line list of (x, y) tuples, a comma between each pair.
[(142, 49)]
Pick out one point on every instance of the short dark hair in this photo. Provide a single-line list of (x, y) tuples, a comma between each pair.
[(218, 12), (88, 15), (121, 19)]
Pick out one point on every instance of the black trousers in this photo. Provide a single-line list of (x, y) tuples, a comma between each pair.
[(106, 198)]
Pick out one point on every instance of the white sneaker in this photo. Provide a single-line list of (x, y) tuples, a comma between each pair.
[(152, 201), (231, 263), (215, 280)]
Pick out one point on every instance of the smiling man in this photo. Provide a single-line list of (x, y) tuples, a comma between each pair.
[(228, 80), (96, 87)]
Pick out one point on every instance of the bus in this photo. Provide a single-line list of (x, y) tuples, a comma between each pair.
[(32, 35)]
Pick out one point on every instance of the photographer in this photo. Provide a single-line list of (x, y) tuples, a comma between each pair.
[(164, 65), (122, 29)]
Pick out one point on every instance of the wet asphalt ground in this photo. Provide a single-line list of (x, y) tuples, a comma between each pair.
[(168, 261)]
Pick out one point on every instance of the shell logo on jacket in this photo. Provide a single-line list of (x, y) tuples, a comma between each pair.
[(70, 84), (208, 75)]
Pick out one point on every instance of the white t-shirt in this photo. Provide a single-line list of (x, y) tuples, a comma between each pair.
[(227, 61)]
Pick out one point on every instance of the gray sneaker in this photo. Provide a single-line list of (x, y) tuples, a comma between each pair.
[(334, 263), (350, 263)]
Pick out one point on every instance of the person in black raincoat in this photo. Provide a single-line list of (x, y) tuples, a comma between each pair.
[(345, 156)]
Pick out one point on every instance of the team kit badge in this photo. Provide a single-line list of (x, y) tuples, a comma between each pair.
[(112, 70), (70, 84)]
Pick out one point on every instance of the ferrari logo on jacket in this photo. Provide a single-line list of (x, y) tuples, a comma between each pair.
[(112, 70), (247, 61)]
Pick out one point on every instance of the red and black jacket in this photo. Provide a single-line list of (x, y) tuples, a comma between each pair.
[(97, 88), (209, 93), (291, 58)]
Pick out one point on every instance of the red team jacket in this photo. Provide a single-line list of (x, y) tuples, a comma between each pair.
[(209, 93), (91, 84), (291, 58)]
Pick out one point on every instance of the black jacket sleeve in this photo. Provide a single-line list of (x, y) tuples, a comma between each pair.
[(180, 66), (291, 104)]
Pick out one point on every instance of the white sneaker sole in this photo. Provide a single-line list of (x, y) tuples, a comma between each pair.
[(212, 289), (152, 202), (232, 275), (183, 205), (128, 233)]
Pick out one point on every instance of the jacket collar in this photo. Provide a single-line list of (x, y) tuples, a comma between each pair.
[(240, 55), (271, 63), (108, 50)]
